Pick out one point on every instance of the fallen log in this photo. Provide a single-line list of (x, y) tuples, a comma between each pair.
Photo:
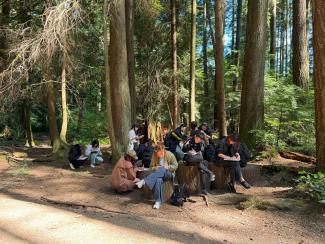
[(298, 156)]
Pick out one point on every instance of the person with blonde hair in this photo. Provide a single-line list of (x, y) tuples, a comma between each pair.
[(163, 166)]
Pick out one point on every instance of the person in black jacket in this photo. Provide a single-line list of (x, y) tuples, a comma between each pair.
[(228, 154), (194, 156), (172, 141)]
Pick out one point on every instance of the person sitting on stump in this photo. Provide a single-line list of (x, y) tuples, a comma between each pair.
[(194, 156), (94, 153), (228, 155), (164, 166), (123, 177), (174, 139)]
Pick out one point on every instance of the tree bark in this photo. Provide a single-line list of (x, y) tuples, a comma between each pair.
[(273, 35), (129, 15), (120, 95), (174, 64), (300, 59), (64, 126), (28, 125), (237, 44), (4, 21), (318, 8), (219, 64), (252, 96), (205, 50), (192, 63)]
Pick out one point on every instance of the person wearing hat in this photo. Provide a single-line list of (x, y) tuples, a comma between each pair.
[(163, 166), (123, 177), (194, 156)]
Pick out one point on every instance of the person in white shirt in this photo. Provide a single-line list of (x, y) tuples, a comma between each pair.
[(134, 138), (94, 154)]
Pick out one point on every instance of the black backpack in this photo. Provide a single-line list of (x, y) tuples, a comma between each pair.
[(179, 195), (74, 153)]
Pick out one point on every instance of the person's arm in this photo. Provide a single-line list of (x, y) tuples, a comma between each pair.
[(173, 164), (131, 172), (177, 137)]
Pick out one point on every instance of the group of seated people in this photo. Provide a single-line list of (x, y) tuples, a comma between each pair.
[(162, 158)]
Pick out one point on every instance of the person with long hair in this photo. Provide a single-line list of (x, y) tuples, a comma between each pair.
[(163, 166), (134, 137), (94, 153), (174, 139), (123, 177), (228, 155)]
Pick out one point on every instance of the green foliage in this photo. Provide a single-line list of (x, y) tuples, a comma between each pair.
[(289, 117), (313, 184)]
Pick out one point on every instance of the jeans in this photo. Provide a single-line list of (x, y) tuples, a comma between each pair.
[(96, 158), (235, 169), (179, 153), (155, 180)]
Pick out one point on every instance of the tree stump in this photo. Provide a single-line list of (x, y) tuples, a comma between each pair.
[(222, 176), (168, 187), (189, 175)]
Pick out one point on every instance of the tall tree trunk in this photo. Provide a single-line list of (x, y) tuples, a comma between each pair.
[(80, 102), (174, 64), (237, 45), (192, 63), (273, 35), (205, 50), (232, 26), (110, 125), (120, 95), (252, 96), (4, 21), (50, 92), (28, 125), (64, 126), (129, 15), (219, 63), (318, 8), (300, 59)]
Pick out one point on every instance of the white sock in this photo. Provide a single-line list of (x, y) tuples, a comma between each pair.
[(140, 184)]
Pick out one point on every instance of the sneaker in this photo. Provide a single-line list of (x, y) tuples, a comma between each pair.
[(231, 187), (71, 166), (245, 184), (156, 205), (212, 177), (140, 184), (92, 165)]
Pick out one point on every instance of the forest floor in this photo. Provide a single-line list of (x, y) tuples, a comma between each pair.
[(270, 212)]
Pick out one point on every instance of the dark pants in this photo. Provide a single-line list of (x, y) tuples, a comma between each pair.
[(205, 173), (77, 163), (235, 169), (155, 180)]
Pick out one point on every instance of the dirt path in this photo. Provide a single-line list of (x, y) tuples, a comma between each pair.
[(25, 217)]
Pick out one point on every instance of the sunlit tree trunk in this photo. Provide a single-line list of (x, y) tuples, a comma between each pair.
[(174, 64), (205, 50), (120, 95), (272, 35), (129, 15), (219, 63), (4, 21), (318, 7), (192, 62), (64, 126), (300, 59), (252, 96), (237, 44)]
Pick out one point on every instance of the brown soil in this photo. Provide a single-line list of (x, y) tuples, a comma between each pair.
[(289, 219)]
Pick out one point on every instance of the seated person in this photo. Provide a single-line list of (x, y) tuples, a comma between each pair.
[(76, 159), (94, 153), (227, 155), (208, 133), (123, 177), (194, 156), (172, 141), (144, 153), (163, 165), (134, 137), (194, 128)]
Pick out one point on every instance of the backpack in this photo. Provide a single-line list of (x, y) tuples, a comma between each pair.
[(74, 153), (179, 195)]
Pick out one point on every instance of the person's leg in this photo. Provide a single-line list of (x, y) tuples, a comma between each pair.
[(93, 159), (98, 159), (203, 167), (204, 182), (151, 179), (158, 193)]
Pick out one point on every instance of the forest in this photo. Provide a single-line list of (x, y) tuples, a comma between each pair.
[(78, 70), (74, 71)]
